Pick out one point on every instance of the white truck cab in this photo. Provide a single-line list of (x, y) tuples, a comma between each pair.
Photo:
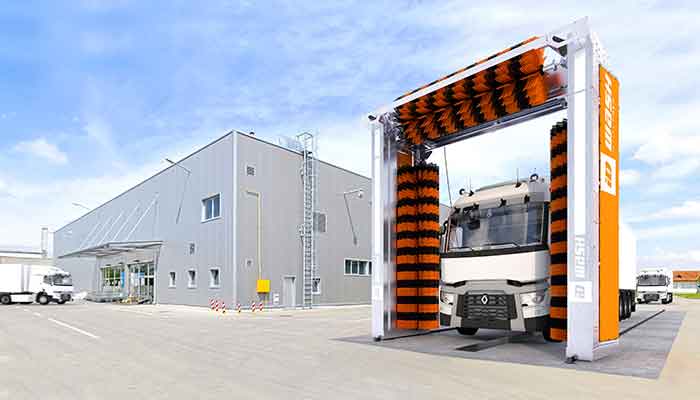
[(495, 259), (21, 283), (655, 284)]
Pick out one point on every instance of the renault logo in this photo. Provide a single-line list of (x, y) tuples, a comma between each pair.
[(484, 299)]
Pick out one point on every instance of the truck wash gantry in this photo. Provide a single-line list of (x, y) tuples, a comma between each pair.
[(575, 80)]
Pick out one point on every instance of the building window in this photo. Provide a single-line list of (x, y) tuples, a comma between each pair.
[(191, 279), (211, 207), (358, 267), (172, 281), (317, 286), (320, 222), (214, 280), (250, 170)]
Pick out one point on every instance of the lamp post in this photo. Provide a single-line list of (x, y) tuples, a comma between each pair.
[(360, 194)]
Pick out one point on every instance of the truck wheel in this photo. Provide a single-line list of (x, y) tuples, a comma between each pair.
[(621, 310), (42, 299), (547, 335), (5, 299), (670, 298), (628, 306), (634, 306), (467, 331), (61, 301)]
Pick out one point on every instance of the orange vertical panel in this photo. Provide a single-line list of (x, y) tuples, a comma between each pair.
[(609, 205)]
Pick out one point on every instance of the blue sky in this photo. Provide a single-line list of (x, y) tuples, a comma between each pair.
[(94, 94)]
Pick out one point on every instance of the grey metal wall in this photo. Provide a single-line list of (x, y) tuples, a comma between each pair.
[(211, 173), (277, 178)]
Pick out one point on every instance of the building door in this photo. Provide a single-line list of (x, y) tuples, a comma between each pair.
[(289, 291), (142, 279)]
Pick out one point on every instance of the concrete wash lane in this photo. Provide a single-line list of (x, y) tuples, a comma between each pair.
[(171, 352)]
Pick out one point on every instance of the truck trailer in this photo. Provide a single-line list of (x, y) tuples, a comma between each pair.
[(655, 284), (495, 260), (23, 283)]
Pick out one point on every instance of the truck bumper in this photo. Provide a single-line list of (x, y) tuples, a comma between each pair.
[(491, 305)]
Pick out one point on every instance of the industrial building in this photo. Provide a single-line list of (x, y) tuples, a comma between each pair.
[(686, 281), (239, 220)]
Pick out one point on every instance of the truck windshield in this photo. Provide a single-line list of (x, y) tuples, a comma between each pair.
[(62, 280), (513, 225), (652, 280)]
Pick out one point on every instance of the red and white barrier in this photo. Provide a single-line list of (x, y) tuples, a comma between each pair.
[(252, 306), (223, 307), (260, 306), (238, 307)]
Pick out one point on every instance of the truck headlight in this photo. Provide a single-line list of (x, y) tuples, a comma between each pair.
[(533, 298), (448, 298), (535, 304)]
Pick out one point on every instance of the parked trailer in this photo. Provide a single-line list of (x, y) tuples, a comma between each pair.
[(22, 283), (495, 261), (655, 284)]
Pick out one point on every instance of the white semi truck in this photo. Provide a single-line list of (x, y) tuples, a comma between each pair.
[(22, 283), (495, 260), (655, 284)]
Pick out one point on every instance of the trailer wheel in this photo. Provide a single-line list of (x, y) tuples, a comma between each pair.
[(42, 298), (5, 299), (621, 309), (467, 331), (634, 305)]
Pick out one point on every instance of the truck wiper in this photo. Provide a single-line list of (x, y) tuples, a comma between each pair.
[(502, 243), (462, 247)]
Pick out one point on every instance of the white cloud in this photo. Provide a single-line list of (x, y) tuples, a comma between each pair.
[(690, 209), (41, 148), (666, 147), (664, 232), (629, 177), (677, 169), (671, 259)]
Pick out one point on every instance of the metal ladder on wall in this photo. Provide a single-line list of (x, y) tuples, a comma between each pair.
[(308, 231)]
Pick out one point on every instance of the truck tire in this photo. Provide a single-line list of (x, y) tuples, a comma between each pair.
[(670, 298), (467, 331), (5, 299), (628, 306), (43, 299), (621, 310), (547, 333), (61, 301)]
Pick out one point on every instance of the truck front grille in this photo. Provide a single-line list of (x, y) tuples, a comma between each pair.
[(488, 307)]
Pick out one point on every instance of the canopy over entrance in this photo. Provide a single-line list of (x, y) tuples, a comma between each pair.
[(114, 248)]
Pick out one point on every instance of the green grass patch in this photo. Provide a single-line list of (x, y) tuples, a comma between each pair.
[(689, 295)]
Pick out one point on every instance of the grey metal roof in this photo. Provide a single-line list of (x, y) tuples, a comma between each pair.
[(113, 248)]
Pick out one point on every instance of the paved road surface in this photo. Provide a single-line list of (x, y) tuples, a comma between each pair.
[(100, 351)]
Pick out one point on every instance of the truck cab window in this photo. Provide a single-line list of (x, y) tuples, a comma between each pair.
[(513, 225)]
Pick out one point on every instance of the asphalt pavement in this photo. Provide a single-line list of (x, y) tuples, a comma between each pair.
[(105, 351)]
